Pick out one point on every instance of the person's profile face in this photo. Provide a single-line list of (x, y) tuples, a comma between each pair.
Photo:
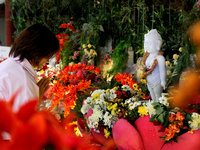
[(43, 62)]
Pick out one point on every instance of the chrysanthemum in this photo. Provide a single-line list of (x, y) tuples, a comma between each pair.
[(150, 109), (107, 119), (195, 123), (163, 100), (142, 111)]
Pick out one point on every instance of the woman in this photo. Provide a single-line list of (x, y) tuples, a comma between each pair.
[(32, 49)]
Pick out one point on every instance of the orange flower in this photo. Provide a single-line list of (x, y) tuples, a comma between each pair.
[(125, 79), (68, 25), (174, 127), (180, 116), (180, 124), (172, 117), (169, 134), (64, 90)]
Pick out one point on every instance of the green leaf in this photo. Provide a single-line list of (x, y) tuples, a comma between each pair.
[(161, 118), (159, 109)]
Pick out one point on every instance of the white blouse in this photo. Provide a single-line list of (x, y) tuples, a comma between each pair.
[(18, 76)]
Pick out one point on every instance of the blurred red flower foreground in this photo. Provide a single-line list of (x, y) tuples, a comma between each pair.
[(30, 129)]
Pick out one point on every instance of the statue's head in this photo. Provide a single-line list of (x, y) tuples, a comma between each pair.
[(152, 41)]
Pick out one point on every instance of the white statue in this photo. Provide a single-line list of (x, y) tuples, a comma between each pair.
[(154, 64)]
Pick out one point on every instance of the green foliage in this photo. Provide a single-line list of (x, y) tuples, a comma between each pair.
[(71, 46), (119, 57), (184, 61), (121, 19), (189, 17), (51, 13)]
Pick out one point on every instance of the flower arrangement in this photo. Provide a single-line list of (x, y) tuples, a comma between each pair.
[(109, 105), (69, 82)]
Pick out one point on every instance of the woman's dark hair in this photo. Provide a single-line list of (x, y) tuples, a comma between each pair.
[(34, 43)]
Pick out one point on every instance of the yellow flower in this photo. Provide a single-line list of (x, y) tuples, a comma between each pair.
[(84, 45), (142, 111), (175, 56), (135, 86), (107, 133), (167, 63), (54, 81), (168, 72), (96, 96), (180, 49), (89, 61), (143, 81), (113, 108), (95, 54), (142, 76), (91, 51), (89, 45), (42, 71), (86, 50), (107, 90)]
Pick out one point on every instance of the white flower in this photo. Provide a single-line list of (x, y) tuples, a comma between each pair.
[(195, 123), (132, 99), (127, 88), (85, 108), (163, 100), (88, 100), (95, 117), (107, 119), (110, 94), (98, 91), (99, 101), (132, 105), (150, 109)]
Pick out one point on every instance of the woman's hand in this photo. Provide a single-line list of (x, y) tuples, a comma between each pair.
[(43, 85)]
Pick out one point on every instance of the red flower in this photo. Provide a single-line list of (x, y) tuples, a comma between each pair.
[(119, 94)]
